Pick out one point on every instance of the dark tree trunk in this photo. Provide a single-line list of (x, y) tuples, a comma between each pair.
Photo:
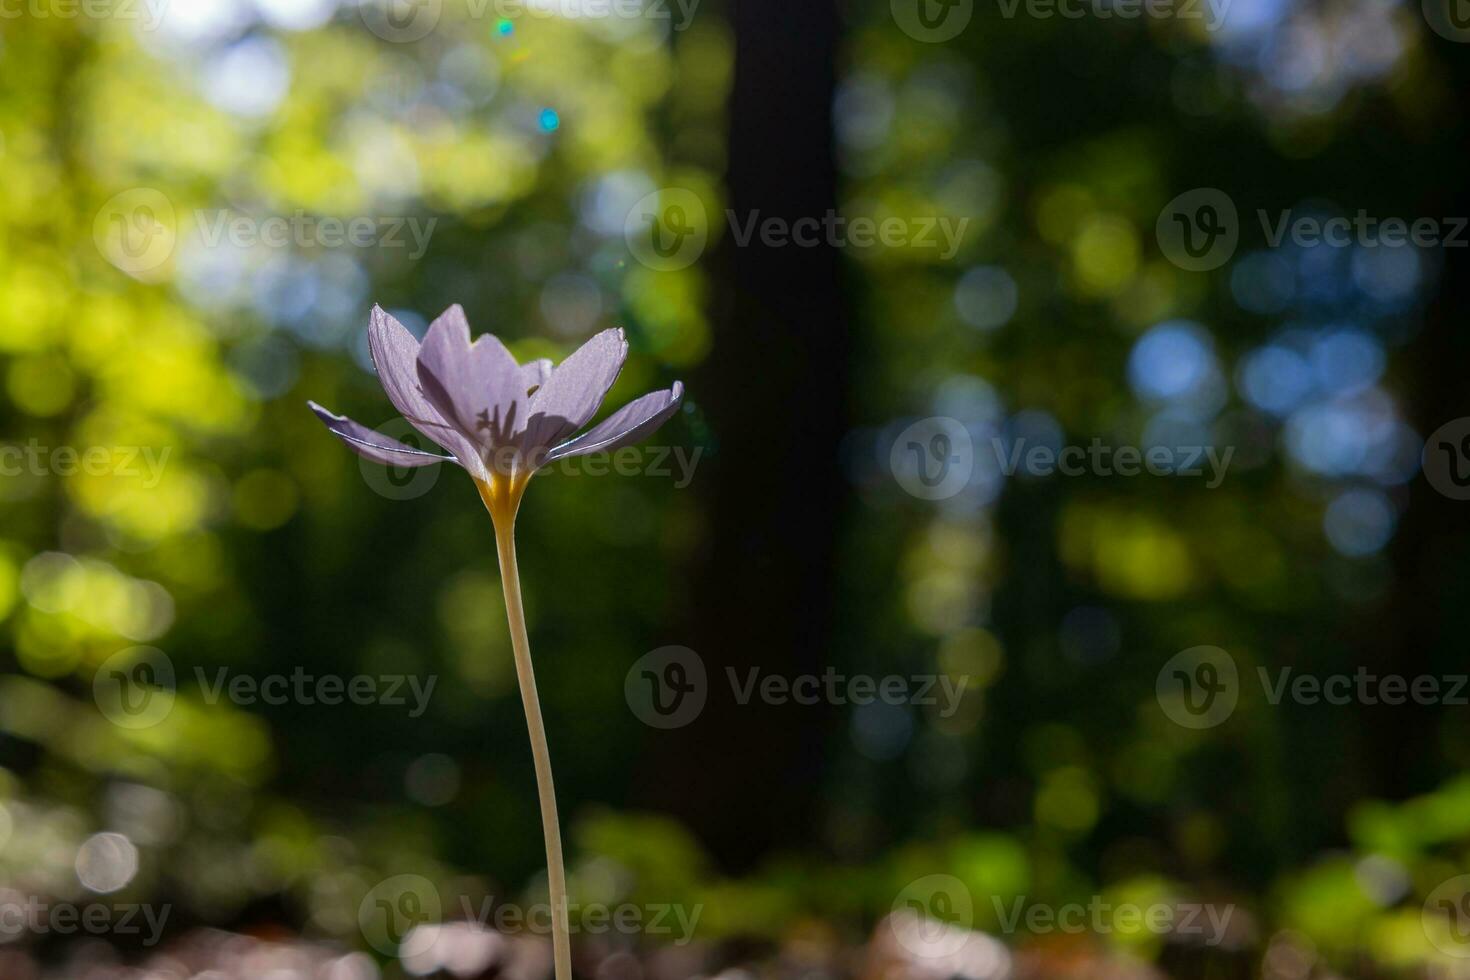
[(1429, 615), (746, 778)]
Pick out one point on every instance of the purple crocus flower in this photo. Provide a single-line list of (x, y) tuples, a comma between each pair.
[(502, 421), (499, 420)]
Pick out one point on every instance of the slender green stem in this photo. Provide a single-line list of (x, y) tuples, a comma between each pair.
[(502, 503)]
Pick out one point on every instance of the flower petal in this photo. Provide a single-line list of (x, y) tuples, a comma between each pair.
[(477, 388), (576, 387), (535, 373), (395, 353), (374, 445), (629, 424)]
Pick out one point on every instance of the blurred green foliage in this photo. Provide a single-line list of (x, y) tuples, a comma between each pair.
[(259, 546)]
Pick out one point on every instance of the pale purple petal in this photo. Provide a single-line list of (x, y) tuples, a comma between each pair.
[(395, 354), (477, 388), (535, 373), (633, 422), (576, 387), (374, 445)]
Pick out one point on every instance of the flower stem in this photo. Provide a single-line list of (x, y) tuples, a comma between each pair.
[(502, 502)]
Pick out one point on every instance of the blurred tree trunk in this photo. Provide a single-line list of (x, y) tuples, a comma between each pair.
[(746, 778), (1428, 614)]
